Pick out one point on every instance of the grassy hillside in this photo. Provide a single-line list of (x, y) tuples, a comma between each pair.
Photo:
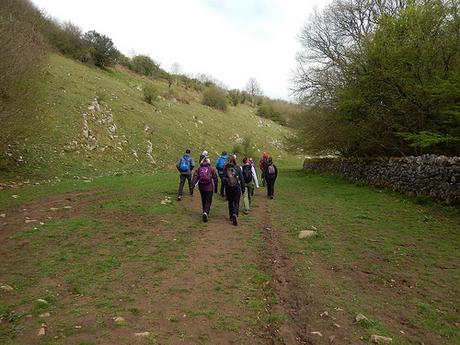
[(66, 135)]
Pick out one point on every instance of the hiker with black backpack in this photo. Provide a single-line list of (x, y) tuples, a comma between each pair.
[(185, 165), (262, 163), (234, 185), (206, 178), (270, 175), (250, 179), (220, 163)]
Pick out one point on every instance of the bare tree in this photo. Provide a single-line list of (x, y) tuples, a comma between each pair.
[(254, 89), (329, 39)]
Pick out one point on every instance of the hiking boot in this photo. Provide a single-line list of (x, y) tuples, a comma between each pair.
[(271, 197), (179, 197), (246, 212), (235, 220), (205, 217)]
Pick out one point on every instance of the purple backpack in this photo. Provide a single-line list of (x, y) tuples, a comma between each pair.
[(205, 174)]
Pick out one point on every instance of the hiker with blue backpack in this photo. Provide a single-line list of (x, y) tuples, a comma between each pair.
[(234, 186), (206, 178), (185, 165), (220, 163)]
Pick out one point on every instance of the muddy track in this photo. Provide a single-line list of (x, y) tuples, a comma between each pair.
[(293, 300)]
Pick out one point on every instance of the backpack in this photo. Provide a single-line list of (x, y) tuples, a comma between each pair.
[(247, 173), (271, 171), (220, 163), (184, 164), (205, 174), (232, 176)]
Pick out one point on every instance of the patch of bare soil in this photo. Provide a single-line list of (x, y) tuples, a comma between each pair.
[(309, 322)]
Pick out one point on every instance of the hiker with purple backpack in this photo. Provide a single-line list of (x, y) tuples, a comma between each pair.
[(234, 186), (206, 178)]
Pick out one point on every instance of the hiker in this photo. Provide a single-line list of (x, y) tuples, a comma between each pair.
[(185, 165), (262, 162), (250, 178), (220, 163), (234, 185), (204, 155), (253, 164), (206, 178), (270, 173)]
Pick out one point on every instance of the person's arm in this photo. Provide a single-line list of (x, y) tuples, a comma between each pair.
[(195, 179), (254, 176), (192, 164), (276, 171), (241, 178), (216, 180), (178, 164)]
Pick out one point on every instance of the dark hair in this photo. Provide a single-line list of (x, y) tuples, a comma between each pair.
[(224, 153), (245, 159), (187, 151)]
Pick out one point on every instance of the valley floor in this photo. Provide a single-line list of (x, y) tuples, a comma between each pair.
[(118, 260)]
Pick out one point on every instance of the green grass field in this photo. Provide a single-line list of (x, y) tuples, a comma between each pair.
[(44, 137), (110, 248)]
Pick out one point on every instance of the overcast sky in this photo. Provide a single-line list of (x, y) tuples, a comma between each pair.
[(231, 40)]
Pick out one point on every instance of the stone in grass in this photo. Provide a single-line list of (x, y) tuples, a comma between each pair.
[(142, 334), (44, 315), (378, 339), (6, 288), (42, 331), (118, 320), (2, 215), (361, 317), (42, 301), (306, 233)]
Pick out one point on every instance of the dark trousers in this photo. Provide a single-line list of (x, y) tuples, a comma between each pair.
[(184, 177), (233, 197), (206, 201), (270, 187), (222, 187)]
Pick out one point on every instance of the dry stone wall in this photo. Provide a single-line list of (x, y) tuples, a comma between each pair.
[(427, 175)]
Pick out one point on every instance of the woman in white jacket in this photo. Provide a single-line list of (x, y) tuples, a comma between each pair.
[(250, 180)]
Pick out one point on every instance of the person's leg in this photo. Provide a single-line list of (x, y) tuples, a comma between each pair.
[(182, 178), (246, 199), (189, 179), (236, 201), (229, 195), (250, 190), (208, 202), (270, 185), (222, 187), (203, 200)]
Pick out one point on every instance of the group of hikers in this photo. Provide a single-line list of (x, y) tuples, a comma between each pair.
[(235, 180)]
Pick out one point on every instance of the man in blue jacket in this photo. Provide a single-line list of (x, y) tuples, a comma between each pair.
[(220, 164), (185, 165)]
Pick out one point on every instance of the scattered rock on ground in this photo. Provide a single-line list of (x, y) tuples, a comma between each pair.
[(41, 300), (331, 339), (324, 314), (53, 209), (142, 334), (378, 339), (361, 317), (337, 325), (2, 215), (42, 331), (15, 196), (44, 315), (307, 233), (119, 319), (6, 288), (317, 333)]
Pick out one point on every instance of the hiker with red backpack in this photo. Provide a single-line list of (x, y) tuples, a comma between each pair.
[(270, 174), (262, 163), (234, 185), (185, 165), (250, 178), (206, 178)]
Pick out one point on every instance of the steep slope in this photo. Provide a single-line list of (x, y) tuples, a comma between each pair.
[(89, 121)]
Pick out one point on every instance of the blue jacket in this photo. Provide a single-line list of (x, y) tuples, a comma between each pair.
[(191, 166), (225, 158)]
